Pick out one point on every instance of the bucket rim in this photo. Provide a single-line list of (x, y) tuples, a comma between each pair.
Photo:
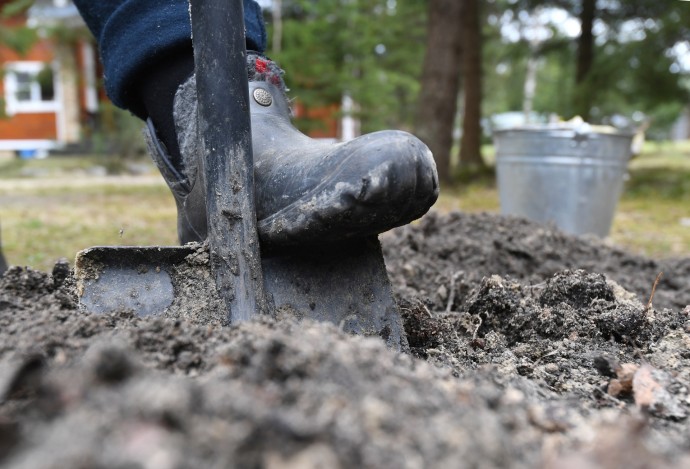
[(564, 130)]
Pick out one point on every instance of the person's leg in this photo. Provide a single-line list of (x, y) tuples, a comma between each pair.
[(306, 191), (135, 35), (146, 50)]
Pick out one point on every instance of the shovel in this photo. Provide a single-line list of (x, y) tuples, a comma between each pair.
[(345, 284)]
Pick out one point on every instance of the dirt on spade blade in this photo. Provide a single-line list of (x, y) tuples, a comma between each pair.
[(529, 348)]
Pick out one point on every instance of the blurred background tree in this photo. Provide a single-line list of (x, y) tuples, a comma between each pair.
[(442, 68), (369, 51), (599, 58), (440, 82)]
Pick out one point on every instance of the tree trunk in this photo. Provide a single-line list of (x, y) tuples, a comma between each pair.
[(470, 148), (530, 87), (277, 12), (440, 82), (585, 57)]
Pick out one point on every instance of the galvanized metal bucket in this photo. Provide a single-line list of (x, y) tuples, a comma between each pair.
[(571, 176)]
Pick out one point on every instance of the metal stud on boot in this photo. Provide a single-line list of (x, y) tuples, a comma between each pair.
[(306, 191)]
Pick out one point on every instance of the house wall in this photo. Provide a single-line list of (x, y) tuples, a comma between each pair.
[(67, 78), (38, 126), (27, 130), (88, 63), (31, 119), (325, 116)]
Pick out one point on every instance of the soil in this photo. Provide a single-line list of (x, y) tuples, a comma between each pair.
[(528, 348)]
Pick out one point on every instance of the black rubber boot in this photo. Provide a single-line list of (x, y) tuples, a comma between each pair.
[(306, 191)]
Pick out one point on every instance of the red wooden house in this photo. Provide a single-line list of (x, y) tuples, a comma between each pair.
[(48, 92)]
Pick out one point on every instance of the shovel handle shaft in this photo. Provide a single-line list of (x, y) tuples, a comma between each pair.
[(227, 163)]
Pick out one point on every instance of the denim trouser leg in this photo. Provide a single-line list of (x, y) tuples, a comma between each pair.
[(132, 34)]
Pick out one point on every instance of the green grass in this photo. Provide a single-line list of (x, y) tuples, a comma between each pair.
[(45, 218), (41, 225), (653, 216), (58, 166)]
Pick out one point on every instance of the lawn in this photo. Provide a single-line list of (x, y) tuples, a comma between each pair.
[(52, 208), (64, 208)]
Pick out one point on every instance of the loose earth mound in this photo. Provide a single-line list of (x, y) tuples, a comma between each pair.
[(527, 348)]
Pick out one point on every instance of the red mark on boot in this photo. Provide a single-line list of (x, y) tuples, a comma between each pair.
[(261, 66)]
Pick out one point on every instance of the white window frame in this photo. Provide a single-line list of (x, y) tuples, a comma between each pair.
[(15, 106)]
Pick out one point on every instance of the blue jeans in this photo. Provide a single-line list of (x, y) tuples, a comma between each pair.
[(133, 34)]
